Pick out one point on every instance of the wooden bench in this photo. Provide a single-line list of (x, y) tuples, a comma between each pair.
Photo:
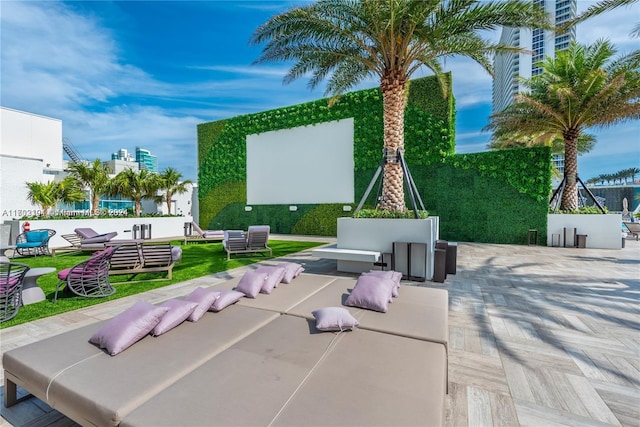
[(134, 258)]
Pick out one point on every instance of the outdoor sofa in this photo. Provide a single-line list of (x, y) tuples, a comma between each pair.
[(259, 362)]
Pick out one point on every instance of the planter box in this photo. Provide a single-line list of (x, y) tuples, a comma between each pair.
[(373, 234), (602, 231), (161, 227)]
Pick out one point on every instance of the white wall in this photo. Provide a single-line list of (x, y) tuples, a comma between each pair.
[(373, 234), (306, 164), (15, 172), (183, 203), (29, 135), (28, 144), (603, 231), (166, 227)]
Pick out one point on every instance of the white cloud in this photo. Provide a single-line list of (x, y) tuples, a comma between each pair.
[(170, 138), (60, 63)]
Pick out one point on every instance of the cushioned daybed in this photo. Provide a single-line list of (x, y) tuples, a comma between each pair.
[(258, 362)]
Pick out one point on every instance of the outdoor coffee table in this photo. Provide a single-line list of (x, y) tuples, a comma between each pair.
[(31, 292)]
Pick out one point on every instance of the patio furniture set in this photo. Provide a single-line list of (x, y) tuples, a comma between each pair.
[(90, 278), (259, 361)]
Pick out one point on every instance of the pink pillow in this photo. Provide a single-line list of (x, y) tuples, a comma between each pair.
[(334, 319), (251, 283), (394, 276), (128, 327), (226, 298), (292, 270), (274, 276), (178, 312), (371, 292), (204, 298)]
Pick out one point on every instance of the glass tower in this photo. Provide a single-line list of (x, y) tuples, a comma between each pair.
[(146, 160)]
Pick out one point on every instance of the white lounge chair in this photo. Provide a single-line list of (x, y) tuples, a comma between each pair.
[(193, 233)]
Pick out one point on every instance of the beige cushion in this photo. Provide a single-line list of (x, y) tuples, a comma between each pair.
[(418, 312), (249, 383), (101, 390), (285, 296), (245, 385), (371, 379)]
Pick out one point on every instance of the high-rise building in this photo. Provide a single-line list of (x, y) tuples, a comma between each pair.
[(508, 67), (123, 154), (146, 160)]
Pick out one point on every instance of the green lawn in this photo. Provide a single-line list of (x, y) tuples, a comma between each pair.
[(200, 259)]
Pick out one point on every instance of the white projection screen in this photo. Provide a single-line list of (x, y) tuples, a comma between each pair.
[(303, 165)]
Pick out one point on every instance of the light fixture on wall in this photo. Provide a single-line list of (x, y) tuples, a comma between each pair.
[(293, 208), (248, 208), (346, 208)]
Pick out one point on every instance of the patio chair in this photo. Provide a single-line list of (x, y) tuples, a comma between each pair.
[(11, 278), (89, 235), (193, 232), (34, 242), (634, 228), (255, 240), (90, 278)]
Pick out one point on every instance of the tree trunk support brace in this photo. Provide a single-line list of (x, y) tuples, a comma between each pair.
[(411, 185), (560, 190)]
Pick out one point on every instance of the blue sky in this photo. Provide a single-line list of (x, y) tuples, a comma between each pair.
[(145, 73)]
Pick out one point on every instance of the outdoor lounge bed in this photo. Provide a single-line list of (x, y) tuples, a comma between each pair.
[(258, 362)]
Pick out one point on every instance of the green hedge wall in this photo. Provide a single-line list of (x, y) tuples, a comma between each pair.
[(485, 197)]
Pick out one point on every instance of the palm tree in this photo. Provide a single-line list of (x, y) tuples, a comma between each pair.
[(171, 184), (48, 195), (579, 89), (347, 41), (95, 177), (632, 173), (136, 185)]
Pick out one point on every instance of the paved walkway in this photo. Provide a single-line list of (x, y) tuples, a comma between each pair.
[(538, 336)]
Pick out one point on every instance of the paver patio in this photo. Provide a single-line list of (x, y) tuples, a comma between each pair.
[(539, 336)]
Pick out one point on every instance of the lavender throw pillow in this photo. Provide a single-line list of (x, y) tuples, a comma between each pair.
[(128, 327), (204, 298), (251, 283), (334, 319), (226, 298), (178, 312), (371, 292), (394, 276), (292, 270), (274, 276)]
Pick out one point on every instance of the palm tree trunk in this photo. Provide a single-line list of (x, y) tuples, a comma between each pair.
[(169, 195), (95, 201), (393, 101), (138, 207), (570, 196)]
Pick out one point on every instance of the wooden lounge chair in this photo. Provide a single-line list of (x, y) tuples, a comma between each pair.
[(34, 242), (11, 278), (634, 228), (134, 258), (193, 233), (255, 240), (90, 278)]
